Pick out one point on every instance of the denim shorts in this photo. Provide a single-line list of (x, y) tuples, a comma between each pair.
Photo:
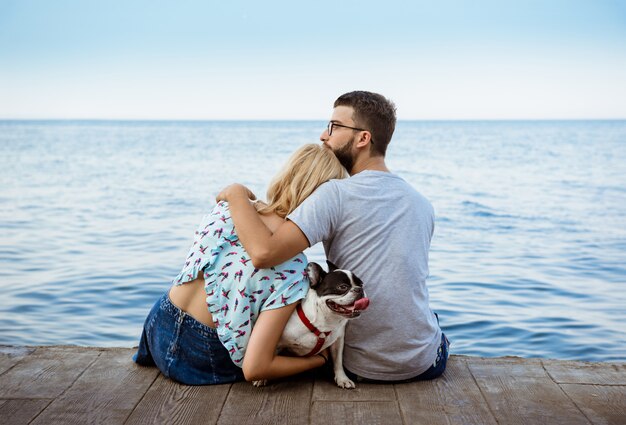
[(184, 349)]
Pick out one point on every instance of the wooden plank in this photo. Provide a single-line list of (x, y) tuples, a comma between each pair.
[(20, 411), (519, 391), (93, 385), (324, 390), (286, 401), (601, 404), (9, 356), (168, 402), (358, 413), (106, 392), (452, 398), (570, 372), (46, 373)]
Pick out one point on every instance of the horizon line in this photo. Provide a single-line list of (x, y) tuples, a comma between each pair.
[(297, 119)]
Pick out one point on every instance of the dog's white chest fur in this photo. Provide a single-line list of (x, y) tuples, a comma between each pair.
[(300, 340)]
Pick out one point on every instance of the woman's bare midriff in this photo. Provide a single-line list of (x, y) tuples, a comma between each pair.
[(191, 298)]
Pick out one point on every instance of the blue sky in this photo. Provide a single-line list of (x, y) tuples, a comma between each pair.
[(548, 59)]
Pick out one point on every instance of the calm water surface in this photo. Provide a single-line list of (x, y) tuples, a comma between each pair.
[(528, 256)]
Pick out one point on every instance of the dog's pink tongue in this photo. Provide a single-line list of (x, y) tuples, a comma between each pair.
[(362, 304)]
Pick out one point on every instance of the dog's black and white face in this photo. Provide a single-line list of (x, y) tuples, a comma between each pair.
[(340, 290)]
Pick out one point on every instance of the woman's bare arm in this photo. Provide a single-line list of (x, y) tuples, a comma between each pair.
[(261, 361)]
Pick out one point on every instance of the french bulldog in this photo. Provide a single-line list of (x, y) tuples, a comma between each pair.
[(320, 320)]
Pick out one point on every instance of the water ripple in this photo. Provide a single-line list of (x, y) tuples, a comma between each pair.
[(528, 256)]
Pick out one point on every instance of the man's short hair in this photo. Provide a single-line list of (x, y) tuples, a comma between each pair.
[(373, 112)]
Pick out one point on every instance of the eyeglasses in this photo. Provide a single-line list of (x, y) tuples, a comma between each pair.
[(334, 124)]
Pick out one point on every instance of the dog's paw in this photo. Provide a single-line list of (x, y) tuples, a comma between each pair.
[(344, 382), (261, 383)]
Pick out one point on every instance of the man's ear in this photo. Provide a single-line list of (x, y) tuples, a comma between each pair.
[(365, 140), (331, 266), (316, 274)]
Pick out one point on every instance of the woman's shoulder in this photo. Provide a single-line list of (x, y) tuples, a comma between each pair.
[(220, 208), (219, 216)]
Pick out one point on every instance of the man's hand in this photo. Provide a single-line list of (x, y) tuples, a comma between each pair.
[(233, 191)]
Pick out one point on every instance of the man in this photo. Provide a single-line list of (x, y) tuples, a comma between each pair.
[(374, 224)]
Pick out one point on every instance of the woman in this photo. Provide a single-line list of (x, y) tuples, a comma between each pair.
[(222, 319)]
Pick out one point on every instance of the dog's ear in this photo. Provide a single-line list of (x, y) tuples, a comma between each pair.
[(331, 266), (316, 273)]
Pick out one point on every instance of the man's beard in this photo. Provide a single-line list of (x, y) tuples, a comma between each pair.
[(344, 155)]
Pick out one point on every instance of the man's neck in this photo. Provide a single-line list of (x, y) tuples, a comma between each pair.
[(372, 163)]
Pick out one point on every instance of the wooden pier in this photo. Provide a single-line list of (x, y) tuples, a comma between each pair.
[(77, 385)]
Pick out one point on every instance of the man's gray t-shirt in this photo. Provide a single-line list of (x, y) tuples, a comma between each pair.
[(376, 225)]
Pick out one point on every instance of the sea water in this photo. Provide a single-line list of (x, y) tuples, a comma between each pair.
[(528, 256)]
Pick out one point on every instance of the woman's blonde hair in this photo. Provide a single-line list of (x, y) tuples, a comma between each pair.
[(309, 166)]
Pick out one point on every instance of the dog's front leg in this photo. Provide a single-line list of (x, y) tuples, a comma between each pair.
[(336, 350)]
